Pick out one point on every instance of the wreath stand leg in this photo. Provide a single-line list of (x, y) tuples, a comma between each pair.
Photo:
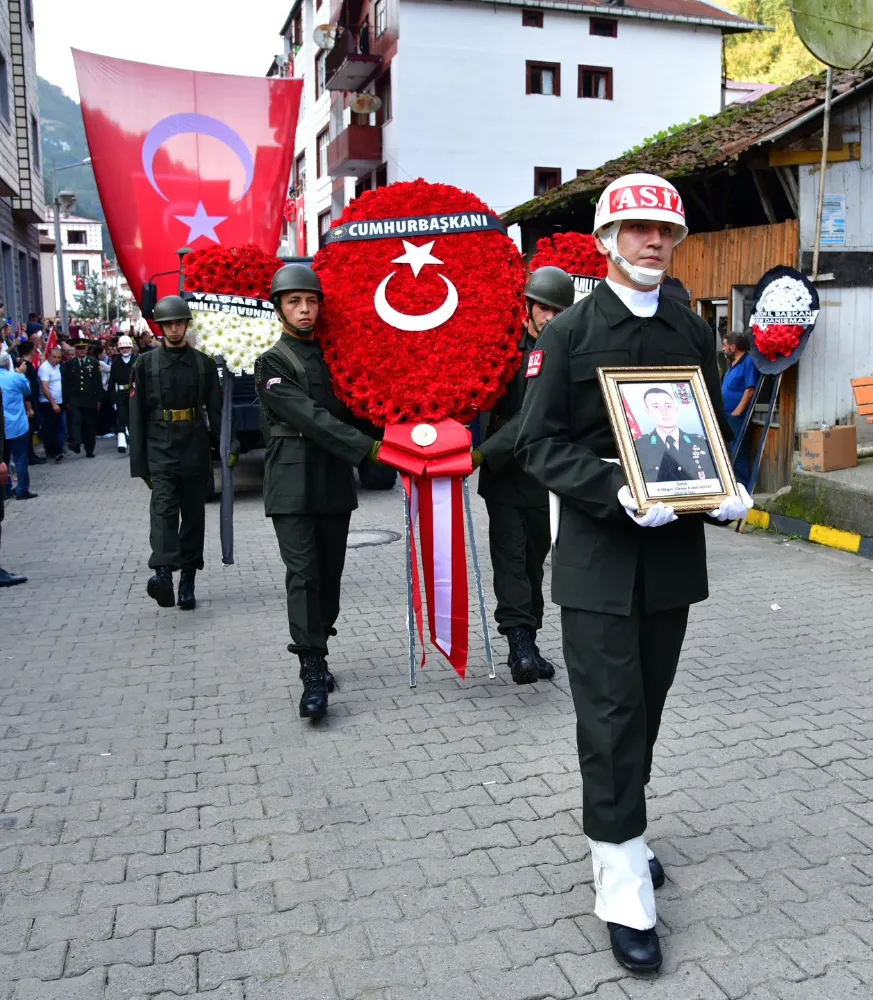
[(474, 552), (410, 604), (226, 513)]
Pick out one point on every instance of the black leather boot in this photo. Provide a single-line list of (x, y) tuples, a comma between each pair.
[(638, 951), (545, 667), (187, 601), (656, 870), (313, 703), (10, 579), (160, 587), (522, 656), (329, 679)]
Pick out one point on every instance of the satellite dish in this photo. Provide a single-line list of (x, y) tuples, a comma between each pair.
[(365, 104), (838, 32), (325, 36)]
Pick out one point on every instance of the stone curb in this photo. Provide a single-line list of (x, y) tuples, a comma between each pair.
[(821, 534)]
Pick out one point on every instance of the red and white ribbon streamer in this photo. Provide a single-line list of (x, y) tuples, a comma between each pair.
[(438, 506)]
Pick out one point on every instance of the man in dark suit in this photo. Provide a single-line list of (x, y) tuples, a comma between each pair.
[(518, 506), (668, 454), (83, 390)]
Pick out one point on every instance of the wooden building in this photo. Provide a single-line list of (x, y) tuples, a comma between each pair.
[(749, 178)]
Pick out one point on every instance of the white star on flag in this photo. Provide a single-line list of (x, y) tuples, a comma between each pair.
[(201, 224), (416, 257)]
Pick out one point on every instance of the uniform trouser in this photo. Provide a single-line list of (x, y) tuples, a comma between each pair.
[(620, 670), (83, 426), (174, 544), (313, 549), (106, 416), (520, 542), (122, 411)]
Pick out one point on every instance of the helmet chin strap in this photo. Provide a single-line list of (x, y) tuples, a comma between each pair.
[(295, 331), (648, 276)]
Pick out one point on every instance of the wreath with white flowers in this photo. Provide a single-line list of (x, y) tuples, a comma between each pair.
[(234, 321), (240, 340)]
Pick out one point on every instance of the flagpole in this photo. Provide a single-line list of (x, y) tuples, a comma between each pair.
[(474, 553)]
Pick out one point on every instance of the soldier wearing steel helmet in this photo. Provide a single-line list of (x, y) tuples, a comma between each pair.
[(518, 505), (120, 373), (309, 489), (624, 581), (174, 423)]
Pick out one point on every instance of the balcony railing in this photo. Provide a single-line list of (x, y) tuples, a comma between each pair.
[(346, 67), (355, 151)]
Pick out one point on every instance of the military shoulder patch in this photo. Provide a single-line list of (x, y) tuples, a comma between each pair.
[(272, 381), (534, 363)]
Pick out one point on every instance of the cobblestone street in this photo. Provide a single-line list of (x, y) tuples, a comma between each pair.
[(169, 826)]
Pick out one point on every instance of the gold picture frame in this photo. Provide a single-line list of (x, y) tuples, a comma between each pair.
[(686, 467)]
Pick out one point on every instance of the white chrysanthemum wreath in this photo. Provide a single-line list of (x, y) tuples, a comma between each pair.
[(239, 340)]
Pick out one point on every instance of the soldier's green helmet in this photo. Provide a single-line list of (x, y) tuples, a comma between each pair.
[(294, 278), (170, 308), (550, 286)]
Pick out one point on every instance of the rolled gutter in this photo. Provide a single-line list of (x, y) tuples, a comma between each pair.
[(607, 10)]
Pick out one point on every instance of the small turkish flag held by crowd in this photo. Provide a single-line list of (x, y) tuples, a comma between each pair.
[(185, 159)]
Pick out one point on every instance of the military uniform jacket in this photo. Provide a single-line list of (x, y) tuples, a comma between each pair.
[(687, 457), (310, 447), (120, 375), (81, 383), (502, 478), (601, 555), (170, 379)]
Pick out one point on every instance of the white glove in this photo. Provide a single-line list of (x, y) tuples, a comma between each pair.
[(653, 518), (734, 508)]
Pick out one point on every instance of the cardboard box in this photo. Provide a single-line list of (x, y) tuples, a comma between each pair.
[(826, 451)]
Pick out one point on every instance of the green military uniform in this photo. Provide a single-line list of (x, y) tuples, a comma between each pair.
[(83, 389), (624, 590), (309, 489), (679, 457), (518, 512), (174, 392)]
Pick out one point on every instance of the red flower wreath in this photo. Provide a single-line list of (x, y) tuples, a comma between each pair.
[(777, 340), (575, 253), (244, 270), (453, 371)]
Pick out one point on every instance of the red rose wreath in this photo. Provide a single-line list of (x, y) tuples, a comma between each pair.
[(575, 253), (244, 270), (453, 371)]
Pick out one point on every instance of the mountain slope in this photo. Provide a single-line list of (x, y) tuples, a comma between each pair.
[(63, 141)]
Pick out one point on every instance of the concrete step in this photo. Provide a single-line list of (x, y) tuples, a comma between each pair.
[(841, 499)]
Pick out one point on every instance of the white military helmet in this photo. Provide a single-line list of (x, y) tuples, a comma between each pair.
[(638, 198), (124, 342)]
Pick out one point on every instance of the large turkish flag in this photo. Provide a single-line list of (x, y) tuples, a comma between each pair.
[(186, 159)]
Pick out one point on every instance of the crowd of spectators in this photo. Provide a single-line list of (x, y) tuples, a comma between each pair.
[(32, 360)]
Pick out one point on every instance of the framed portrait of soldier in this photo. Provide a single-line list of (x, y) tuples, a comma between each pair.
[(669, 442)]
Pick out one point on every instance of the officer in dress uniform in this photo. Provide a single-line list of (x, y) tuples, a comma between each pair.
[(309, 489), (82, 389), (518, 505), (174, 422), (624, 581), (669, 454), (120, 373)]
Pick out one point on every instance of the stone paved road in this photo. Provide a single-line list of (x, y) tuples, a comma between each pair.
[(169, 827)]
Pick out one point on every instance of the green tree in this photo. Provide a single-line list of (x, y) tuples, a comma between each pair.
[(776, 56), (91, 302)]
